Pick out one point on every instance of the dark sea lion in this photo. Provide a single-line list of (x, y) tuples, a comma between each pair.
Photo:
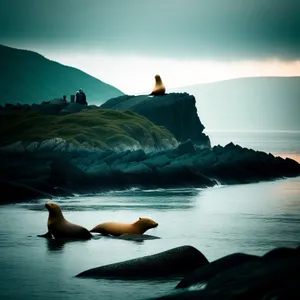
[(59, 227), (171, 263), (159, 88), (117, 229)]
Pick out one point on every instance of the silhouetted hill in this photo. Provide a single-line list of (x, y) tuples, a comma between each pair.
[(269, 103), (28, 77)]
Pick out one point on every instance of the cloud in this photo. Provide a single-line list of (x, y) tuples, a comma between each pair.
[(182, 29)]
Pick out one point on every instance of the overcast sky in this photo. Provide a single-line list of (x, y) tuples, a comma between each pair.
[(114, 38)]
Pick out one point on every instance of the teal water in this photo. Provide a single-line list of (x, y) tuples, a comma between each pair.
[(251, 218)]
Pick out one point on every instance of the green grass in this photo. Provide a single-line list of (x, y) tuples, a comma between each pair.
[(102, 128)]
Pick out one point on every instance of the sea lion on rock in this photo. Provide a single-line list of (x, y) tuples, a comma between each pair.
[(159, 88), (117, 229), (171, 263), (59, 227)]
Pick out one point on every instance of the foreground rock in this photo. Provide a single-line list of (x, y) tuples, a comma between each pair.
[(171, 263), (239, 276), (44, 173), (177, 112)]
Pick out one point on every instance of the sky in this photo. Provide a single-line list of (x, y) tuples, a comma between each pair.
[(126, 42)]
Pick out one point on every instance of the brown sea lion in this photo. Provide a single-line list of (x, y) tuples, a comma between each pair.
[(117, 229), (59, 227), (159, 88)]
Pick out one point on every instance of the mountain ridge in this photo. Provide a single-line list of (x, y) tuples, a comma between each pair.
[(29, 77), (249, 103)]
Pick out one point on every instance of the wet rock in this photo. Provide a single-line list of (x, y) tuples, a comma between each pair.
[(171, 263)]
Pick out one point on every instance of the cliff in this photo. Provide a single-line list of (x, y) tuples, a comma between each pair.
[(177, 112)]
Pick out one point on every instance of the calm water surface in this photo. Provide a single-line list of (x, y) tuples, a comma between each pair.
[(218, 221)]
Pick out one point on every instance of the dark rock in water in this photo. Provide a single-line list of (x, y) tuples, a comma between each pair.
[(280, 253), (52, 166), (212, 269), (177, 112), (171, 263), (276, 277)]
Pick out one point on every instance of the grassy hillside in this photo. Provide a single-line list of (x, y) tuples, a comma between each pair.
[(28, 77), (97, 127), (263, 103)]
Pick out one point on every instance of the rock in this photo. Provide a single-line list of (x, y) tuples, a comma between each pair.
[(186, 147), (138, 169), (17, 147), (32, 147), (115, 157), (241, 276), (171, 263), (177, 112), (136, 155), (51, 144), (212, 269), (101, 170), (158, 161)]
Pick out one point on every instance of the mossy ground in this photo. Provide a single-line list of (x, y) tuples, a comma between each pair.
[(102, 128)]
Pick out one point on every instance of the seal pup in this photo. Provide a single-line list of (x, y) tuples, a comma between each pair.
[(159, 88), (59, 227), (117, 229)]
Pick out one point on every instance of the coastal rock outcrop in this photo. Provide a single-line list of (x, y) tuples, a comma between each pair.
[(176, 111), (53, 171)]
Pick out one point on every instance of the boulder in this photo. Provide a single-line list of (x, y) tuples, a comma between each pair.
[(171, 263), (186, 147)]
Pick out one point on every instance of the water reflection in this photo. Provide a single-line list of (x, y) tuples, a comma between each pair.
[(173, 199), (57, 245)]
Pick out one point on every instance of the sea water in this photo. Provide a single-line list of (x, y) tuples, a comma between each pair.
[(251, 218)]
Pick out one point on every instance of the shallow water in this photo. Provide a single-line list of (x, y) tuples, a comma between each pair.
[(251, 218)]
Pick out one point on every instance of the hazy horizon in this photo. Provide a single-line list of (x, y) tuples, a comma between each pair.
[(186, 42)]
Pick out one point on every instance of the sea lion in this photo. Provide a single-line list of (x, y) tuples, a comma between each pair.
[(171, 263), (117, 229), (159, 88), (59, 227)]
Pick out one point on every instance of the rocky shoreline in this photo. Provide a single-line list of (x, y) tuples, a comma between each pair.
[(45, 173), (61, 149)]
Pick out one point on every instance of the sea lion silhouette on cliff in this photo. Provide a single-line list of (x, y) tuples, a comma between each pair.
[(59, 227), (159, 88), (117, 229)]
